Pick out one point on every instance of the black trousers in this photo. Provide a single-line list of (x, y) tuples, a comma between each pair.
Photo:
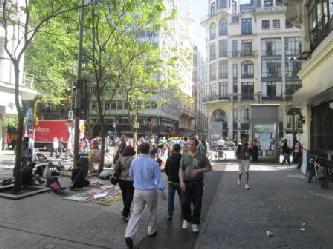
[(127, 191), (192, 195)]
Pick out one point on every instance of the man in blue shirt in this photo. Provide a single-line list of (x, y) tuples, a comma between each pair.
[(147, 181)]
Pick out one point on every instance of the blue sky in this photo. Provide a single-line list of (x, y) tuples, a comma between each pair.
[(199, 10)]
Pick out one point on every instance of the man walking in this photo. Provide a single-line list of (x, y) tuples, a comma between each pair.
[(243, 154), (192, 167), (147, 181), (172, 171)]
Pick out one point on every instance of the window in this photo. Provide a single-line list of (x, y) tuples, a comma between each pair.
[(246, 26), (113, 104), (292, 69), (271, 90), (271, 69), (212, 90), (265, 24), (246, 47), (292, 45), (223, 69), (212, 31), (278, 2), (212, 71), (276, 24), (212, 51), (223, 27), (235, 71), (223, 89), (119, 104), (247, 90), (234, 6), (222, 4), (247, 70), (268, 3), (271, 46), (234, 44), (223, 48), (212, 8)]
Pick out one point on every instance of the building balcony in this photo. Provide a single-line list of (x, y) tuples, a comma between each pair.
[(217, 97), (242, 54), (247, 8), (247, 96), (320, 32), (272, 9)]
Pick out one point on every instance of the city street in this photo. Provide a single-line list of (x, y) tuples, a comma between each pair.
[(297, 214)]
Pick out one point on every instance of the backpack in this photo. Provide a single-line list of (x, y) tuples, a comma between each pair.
[(54, 184)]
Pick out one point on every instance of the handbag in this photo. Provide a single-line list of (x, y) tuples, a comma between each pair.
[(115, 177)]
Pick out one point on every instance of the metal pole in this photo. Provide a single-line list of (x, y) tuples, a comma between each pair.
[(78, 88)]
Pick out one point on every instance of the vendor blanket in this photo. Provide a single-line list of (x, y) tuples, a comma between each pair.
[(103, 194)]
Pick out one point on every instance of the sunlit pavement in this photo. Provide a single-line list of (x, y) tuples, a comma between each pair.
[(280, 203), (296, 215)]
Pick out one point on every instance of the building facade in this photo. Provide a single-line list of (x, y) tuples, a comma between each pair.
[(174, 116), (7, 78), (251, 51), (199, 84), (315, 98)]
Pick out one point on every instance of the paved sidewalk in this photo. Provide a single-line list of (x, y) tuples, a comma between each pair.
[(298, 214)]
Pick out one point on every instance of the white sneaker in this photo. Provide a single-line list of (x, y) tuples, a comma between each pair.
[(238, 182), (247, 186), (195, 228), (185, 224)]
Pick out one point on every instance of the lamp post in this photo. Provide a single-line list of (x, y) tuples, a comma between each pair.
[(78, 88)]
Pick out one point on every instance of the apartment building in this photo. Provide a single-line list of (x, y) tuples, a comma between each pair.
[(315, 99), (199, 83), (252, 59)]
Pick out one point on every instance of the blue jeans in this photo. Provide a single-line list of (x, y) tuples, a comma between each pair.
[(172, 188)]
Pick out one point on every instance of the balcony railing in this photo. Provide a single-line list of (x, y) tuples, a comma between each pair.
[(214, 97), (247, 8), (240, 54), (247, 96), (320, 32)]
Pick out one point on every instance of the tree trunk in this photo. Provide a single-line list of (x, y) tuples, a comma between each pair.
[(20, 128), (102, 134)]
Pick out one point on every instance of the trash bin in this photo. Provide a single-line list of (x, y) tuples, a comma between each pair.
[(84, 163)]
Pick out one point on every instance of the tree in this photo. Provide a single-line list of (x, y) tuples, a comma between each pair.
[(114, 28), (21, 21), (50, 58)]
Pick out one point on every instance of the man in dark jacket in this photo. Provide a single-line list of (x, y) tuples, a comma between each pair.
[(172, 171)]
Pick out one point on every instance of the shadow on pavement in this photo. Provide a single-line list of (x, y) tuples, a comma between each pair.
[(170, 234)]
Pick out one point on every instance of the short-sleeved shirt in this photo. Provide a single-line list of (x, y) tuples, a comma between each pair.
[(197, 161)]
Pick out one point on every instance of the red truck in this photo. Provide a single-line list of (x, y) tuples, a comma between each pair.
[(46, 130)]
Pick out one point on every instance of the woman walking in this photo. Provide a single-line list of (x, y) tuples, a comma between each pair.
[(125, 181)]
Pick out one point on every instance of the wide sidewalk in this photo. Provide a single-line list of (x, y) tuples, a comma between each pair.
[(298, 214)]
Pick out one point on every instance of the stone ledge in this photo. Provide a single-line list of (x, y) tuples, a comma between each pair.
[(25, 192)]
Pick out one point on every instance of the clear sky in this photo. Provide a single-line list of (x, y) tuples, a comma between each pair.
[(199, 10)]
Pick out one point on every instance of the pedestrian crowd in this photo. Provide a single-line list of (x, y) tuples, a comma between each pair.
[(140, 181)]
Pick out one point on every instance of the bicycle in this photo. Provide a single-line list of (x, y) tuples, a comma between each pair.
[(317, 172)]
